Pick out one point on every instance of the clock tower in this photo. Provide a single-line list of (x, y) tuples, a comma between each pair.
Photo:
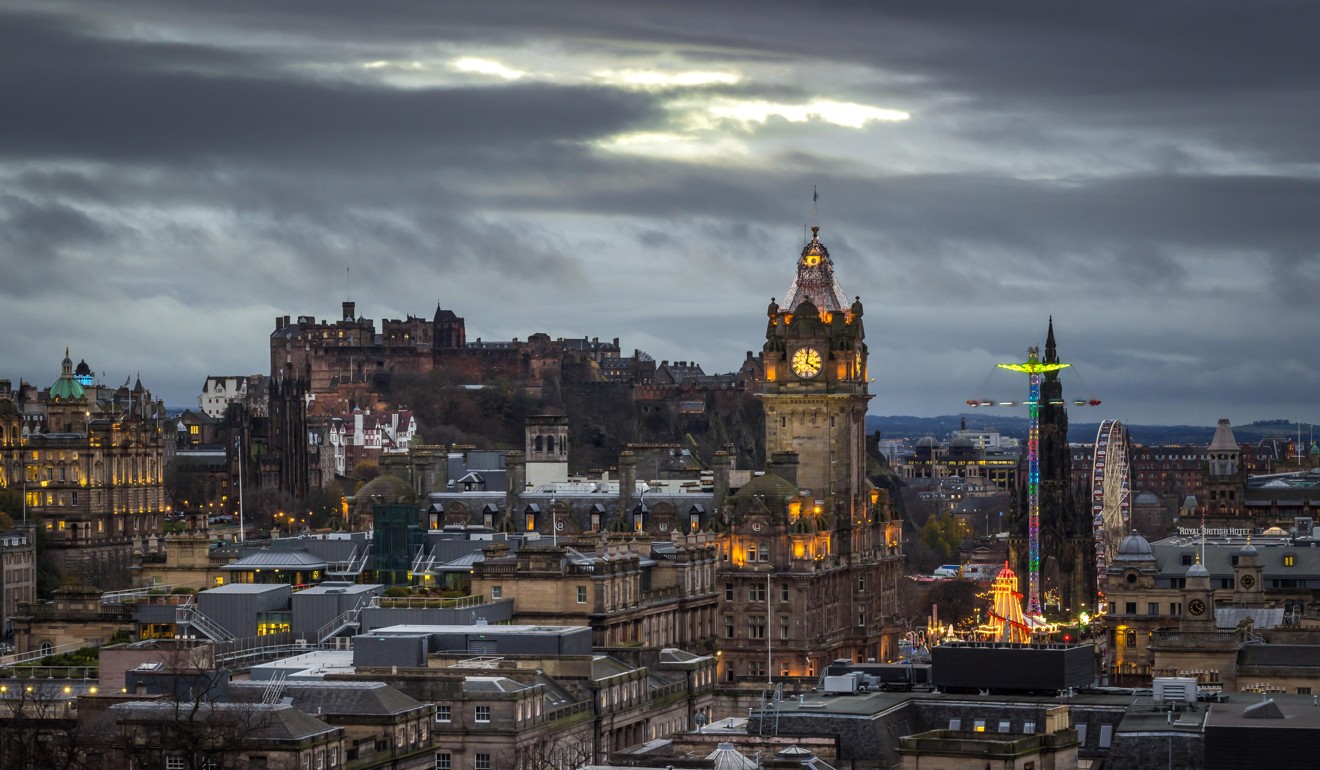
[(815, 391)]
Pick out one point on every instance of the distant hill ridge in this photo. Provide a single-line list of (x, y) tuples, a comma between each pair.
[(899, 426)]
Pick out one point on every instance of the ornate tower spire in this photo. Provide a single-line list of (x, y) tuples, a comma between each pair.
[(1051, 350), (815, 279)]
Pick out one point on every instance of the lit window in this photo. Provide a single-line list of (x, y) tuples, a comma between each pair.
[(1289, 560)]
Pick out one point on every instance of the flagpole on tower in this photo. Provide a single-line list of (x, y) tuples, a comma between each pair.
[(815, 214)]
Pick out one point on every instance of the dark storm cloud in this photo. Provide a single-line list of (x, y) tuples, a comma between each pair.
[(32, 231), (70, 96), (215, 165)]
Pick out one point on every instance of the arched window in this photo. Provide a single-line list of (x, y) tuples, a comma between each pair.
[(550, 444), (537, 444), (47, 648)]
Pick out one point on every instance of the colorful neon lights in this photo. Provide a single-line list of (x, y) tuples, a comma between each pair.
[(1034, 369)]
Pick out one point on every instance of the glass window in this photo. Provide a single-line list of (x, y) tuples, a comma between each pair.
[(443, 761), (581, 594), (483, 713), (483, 762)]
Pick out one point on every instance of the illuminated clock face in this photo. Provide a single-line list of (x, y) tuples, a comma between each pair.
[(1196, 607), (807, 362), (1248, 581)]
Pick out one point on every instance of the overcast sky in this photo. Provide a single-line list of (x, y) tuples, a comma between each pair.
[(173, 176)]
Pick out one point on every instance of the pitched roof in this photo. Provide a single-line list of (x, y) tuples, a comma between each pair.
[(277, 558), (1223, 440), (341, 698)]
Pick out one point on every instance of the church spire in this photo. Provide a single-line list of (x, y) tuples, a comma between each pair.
[(1051, 350)]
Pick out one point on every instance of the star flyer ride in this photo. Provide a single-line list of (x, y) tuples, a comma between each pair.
[(1034, 368)]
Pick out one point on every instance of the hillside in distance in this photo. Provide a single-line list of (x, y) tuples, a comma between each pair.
[(898, 427)]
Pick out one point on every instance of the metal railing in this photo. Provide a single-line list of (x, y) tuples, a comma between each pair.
[(81, 673), (189, 615), (275, 689), (118, 597), (426, 602), (353, 565), (339, 623), (424, 562), (23, 657)]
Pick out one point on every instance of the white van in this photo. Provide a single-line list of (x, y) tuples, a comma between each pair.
[(947, 571)]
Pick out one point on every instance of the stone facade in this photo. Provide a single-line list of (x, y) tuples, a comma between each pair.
[(89, 462), (18, 574)]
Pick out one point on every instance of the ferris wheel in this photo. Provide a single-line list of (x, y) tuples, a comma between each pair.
[(1111, 509)]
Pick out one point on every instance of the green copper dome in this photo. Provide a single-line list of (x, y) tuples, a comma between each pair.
[(66, 388)]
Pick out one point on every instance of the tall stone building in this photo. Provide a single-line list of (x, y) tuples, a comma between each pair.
[(811, 558), (1225, 480), (89, 461)]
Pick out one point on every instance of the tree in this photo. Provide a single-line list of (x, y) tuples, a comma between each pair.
[(943, 534), (561, 750), (11, 508), (38, 729), (193, 723), (957, 599)]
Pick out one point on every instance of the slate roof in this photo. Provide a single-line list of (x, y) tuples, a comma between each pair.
[(266, 722), (604, 666), (491, 684), (277, 558), (339, 698), (1224, 441)]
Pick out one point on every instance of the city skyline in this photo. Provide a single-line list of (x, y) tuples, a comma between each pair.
[(177, 176)]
